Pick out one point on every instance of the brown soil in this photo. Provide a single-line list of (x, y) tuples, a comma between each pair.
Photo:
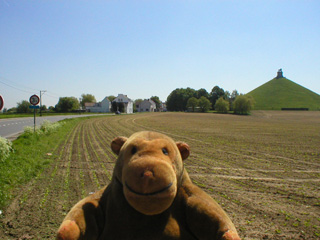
[(263, 169)]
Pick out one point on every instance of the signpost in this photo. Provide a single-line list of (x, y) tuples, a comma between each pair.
[(1, 103), (34, 100), (34, 107)]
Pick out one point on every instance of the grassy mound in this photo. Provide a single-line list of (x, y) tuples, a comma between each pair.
[(284, 93)]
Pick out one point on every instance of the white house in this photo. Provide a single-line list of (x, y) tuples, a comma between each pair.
[(103, 106), (127, 102), (147, 105), (163, 107)]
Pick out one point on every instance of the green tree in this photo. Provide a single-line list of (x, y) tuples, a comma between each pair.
[(157, 101), (215, 94), (138, 101), (226, 95), (111, 98), (243, 104), (136, 104), (12, 110), (192, 103), (51, 109), (43, 108), (233, 96), (23, 107), (204, 104), (178, 98), (87, 98), (67, 104), (202, 93), (222, 105)]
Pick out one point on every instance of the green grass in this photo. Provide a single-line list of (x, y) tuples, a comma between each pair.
[(16, 115), (30, 158), (284, 93), (21, 115)]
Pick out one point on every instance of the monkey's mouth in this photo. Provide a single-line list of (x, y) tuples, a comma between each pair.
[(148, 194)]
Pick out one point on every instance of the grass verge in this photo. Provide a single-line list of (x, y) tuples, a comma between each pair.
[(30, 157), (44, 114)]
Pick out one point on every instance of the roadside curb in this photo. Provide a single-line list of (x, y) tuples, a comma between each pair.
[(14, 136)]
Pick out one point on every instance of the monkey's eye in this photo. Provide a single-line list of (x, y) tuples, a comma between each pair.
[(133, 150), (165, 151)]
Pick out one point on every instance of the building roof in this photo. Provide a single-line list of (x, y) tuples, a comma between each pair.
[(152, 102), (122, 98)]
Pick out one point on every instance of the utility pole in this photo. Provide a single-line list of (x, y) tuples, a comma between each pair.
[(80, 107), (41, 92)]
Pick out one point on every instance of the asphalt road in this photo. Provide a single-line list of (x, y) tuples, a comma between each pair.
[(11, 128)]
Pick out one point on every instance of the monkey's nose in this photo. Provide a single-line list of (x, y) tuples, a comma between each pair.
[(147, 174)]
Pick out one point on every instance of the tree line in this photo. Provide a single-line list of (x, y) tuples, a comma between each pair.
[(72, 104), (180, 99), (189, 99), (64, 105)]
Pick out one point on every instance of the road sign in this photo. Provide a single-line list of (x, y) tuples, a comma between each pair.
[(34, 107), (1, 103), (34, 100)]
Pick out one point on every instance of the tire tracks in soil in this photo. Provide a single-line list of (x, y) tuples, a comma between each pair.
[(227, 151), (256, 197), (229, 188)]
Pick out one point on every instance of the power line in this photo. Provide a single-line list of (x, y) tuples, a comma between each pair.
[(17, 84), (32, 91), (15, 87), (55, 97), (52, 93)]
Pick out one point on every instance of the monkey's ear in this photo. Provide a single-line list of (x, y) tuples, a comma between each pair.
[(184, 150), (117, 143)]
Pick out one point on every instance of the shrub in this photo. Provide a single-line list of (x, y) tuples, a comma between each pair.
[(48, 127), (5, 149), (221, 106), (192, 103), (204, 104), (243, 104), (29, 131)]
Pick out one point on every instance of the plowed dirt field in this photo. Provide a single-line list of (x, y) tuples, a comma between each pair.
[(263, 169)]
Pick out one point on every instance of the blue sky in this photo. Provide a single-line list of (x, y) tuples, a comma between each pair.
[(149, 48)]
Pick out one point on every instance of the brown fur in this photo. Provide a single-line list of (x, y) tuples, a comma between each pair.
[(150, 196)]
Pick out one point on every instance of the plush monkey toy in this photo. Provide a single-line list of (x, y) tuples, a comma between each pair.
[(149, 197)]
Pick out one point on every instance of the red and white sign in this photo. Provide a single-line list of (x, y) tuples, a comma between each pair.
[(34, 100), (1, 103)]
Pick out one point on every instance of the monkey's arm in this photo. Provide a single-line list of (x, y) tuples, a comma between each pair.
[(83, 220), (205, 218)]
